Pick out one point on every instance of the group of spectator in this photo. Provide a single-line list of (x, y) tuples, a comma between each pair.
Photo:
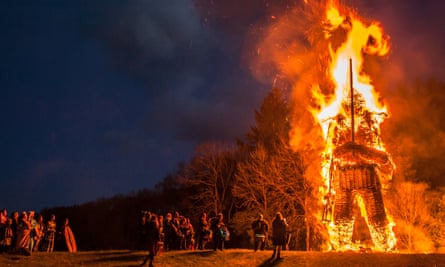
[(27, 232), (176, 232)]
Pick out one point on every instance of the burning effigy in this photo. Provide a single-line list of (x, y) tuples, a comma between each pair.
[(356, 164), (320, 50)]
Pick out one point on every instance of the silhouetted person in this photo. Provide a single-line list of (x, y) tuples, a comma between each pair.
[(217, 225), (23, 235), (38, 232), (152, 228), (170, 233), (279, 227), (187, 233), (33, 224), (14, 225), (260, 231), (7, 237), (50, 234), (203, 232)]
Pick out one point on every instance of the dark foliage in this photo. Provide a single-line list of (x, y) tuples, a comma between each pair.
[(112, 223)]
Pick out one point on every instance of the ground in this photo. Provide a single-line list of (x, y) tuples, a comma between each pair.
[(229, 257)]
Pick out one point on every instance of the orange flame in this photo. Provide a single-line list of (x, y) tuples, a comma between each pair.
[(360, 39), (345, 60)]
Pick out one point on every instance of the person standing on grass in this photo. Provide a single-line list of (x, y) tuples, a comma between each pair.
[(33, 224), (50, 234), (23, 235), (260, 231), (152, 239), (187, 233), (7, 237), (203, 232), (279, 227), (38, 232), (14, 225), (68, 236), (217, 225)]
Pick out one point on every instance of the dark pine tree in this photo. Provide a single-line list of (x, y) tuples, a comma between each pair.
[(272, 124)]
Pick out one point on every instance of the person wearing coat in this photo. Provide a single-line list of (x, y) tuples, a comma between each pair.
[(279, 228)]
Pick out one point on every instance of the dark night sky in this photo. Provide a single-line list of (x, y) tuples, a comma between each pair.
[(107, 97)]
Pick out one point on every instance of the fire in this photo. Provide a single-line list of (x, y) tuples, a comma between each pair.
[(321, 49), (355, 163)]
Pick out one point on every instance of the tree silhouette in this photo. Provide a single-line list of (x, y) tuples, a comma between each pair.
[(209, 177), (272, 176), (271, 129), (412, 216)]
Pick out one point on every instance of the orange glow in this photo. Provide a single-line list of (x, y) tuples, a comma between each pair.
[(345, 69)]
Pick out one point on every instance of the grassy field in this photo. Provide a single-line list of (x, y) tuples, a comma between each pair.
[(229, 257)]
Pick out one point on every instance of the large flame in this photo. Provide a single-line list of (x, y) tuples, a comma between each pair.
[(360, 39), (346, 71), (321, 48)]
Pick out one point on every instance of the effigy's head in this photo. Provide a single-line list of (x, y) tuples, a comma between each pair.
[(358, 104)]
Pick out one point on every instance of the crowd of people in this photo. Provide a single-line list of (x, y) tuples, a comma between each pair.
[(27, 232), (176, 232)]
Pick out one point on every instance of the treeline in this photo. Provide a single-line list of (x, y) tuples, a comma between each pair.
[(264, 172), (112, 223)]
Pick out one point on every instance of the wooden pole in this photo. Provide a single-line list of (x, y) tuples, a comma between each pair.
[(352, 100)]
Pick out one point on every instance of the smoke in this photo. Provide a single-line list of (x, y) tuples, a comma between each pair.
[(289, 49), (207, 65), (416, 32), (189, 65), (412, 84), (279, 50), (286, 48), (415, 131)]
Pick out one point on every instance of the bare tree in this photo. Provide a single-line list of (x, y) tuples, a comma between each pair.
[(436, 202), (412, 216), (209, 177), (272, 182), (273, 176)]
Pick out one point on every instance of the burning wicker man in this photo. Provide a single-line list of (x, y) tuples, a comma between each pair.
[(358, 167)]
